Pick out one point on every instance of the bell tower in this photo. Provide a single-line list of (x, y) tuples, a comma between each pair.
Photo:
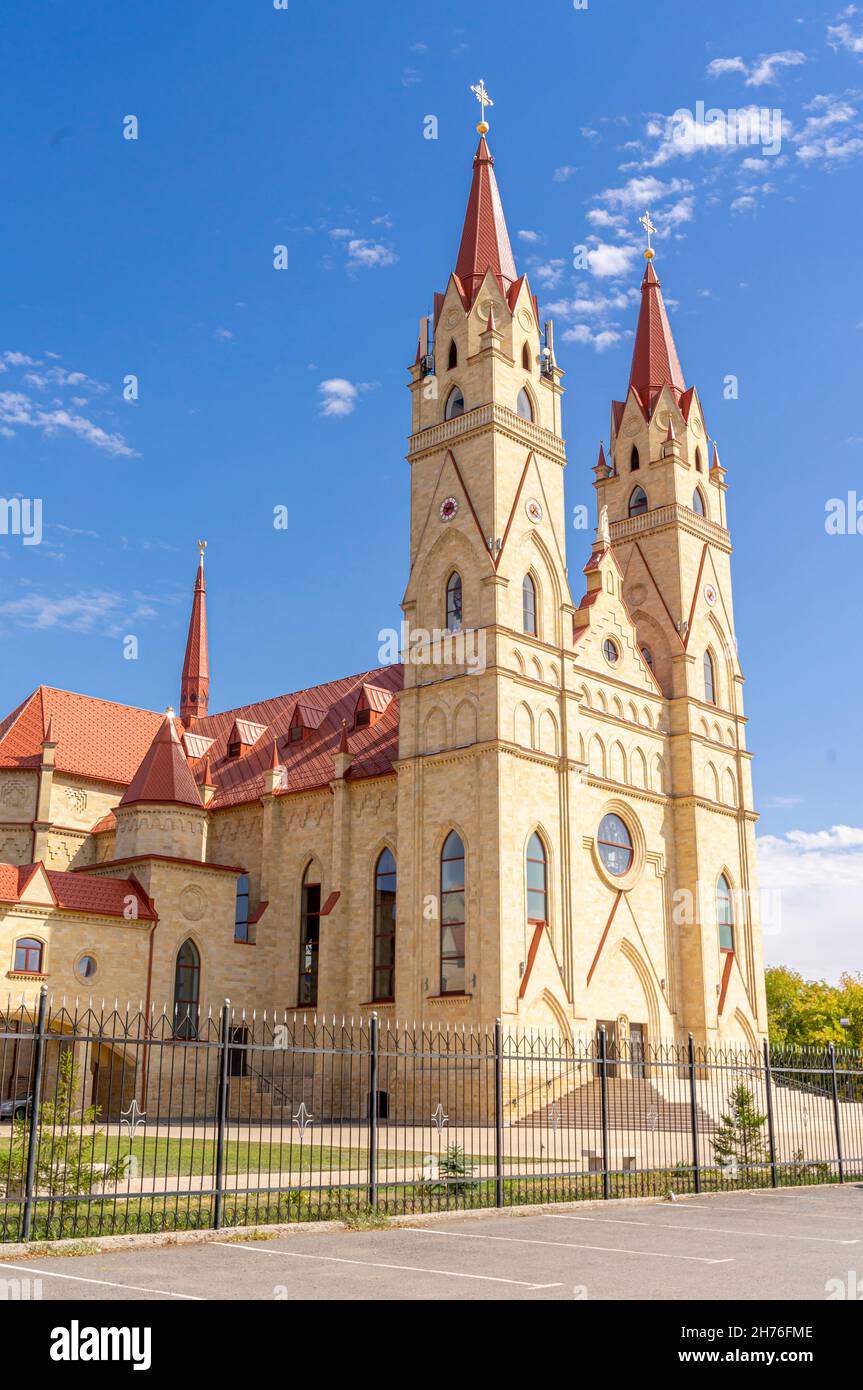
[(665, 491)]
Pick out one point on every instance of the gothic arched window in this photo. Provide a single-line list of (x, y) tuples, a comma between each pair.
[(453, 602), (452, 916), (383, 983), (698, 503), (528, 605), (725, 914), (524, 406), (454, 404), (310, 936), (637, 502), (648, 656), (535, 865), (709, 679), (634, 461), (699, 464), (187, 987), (525, 358), (452, 360), (241, 914)]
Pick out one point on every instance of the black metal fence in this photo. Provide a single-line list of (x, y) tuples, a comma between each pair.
[(126, 1122)]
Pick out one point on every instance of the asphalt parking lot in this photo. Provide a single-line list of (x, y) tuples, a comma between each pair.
[(783, 1245)]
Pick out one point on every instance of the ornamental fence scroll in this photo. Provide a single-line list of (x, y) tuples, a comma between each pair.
[(120, 1122)]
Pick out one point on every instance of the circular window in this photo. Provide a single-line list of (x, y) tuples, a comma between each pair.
[(86, 967), (610, 652), (615, 845)]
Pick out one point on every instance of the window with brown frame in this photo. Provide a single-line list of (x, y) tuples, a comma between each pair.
[(383, 984), (28, 956), (452, 916)]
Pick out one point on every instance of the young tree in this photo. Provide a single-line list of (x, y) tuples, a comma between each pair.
[(740, 1139)]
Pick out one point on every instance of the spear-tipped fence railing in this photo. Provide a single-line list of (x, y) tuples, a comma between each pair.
[(118, 1121)]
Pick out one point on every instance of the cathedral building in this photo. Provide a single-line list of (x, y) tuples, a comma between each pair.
[(542, 811)]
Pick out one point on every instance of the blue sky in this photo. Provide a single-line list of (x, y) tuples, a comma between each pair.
[(258, 127)]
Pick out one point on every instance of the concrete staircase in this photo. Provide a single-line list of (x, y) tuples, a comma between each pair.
[(634, 1104)]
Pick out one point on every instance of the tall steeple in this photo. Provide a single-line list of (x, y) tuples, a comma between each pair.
[(195, 680), (485, 241), (654, 357)]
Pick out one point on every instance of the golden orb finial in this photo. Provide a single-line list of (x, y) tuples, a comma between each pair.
[(484, 100), (649, 254), (202, 546)]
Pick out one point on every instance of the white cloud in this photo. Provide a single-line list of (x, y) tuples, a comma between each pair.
[(815, 877), (600, 339), (843, 36), (642, 192), (563, 173), (341, 233), (88, 611), (223, 335), (763, 72), (363, 254), (526, 235), (606, 260), (745, 203), (719, 66), (339, 396), (548, 273), (831, 133), (18, 410)]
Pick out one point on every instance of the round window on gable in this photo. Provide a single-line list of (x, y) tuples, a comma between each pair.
[(610, 651), (614, 843)]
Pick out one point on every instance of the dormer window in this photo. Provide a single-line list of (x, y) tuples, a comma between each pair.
[(243, 737), (372, 702), (454, 404), (235, 750), (295, 735)]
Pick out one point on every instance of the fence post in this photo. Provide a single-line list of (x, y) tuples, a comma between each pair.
[(693, 1114), (374, 1055), (222, 1111), (836, 1116), (35, 1101), (603, 1092), (771, 1133), (498, 1113)]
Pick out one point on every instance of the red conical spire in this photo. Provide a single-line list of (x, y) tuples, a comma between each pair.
[(195, 680), (654, 358), (484, 239), (164, 774)]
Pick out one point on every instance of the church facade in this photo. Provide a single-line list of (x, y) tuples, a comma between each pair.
[(541, 812)]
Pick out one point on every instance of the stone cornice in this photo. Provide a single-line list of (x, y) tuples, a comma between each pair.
[(500, 417)]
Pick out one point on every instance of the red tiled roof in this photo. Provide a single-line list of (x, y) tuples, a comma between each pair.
[(308, 762), (654, 357), (106, 897), (245, 731), (373, 697), (95, 738), (194, 745), (164, 774), (108, 742), (105, 825), (484, 240)]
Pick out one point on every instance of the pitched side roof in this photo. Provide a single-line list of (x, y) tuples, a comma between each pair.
[(103, 741), (164, 774), (95, 738), (485, 241), (654, 357), (75, 892)]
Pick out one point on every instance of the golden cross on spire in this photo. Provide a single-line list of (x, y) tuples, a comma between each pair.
[(649, 228), (484, 100)]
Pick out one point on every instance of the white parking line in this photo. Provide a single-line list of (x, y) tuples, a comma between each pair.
[(107, 1283), (709, 1230), (377, 1264), (566, 1245)]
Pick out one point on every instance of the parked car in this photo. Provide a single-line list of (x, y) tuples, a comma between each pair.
[(12, 1109)]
